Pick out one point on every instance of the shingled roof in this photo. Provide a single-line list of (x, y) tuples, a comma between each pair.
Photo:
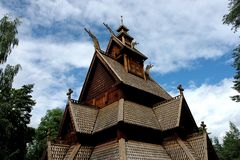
[(194, 147), (163, 116), (149, 86), (84, 117), (168, 113)]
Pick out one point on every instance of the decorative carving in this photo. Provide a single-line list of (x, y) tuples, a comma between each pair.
[(134, 43), (94, 39), (147, 71), (110, 30)]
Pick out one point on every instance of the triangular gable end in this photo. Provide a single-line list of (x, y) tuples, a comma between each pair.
[(114, 48), (187, 123), (67, 131), (99, 79)]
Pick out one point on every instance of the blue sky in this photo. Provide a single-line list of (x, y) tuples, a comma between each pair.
[(185, 40)]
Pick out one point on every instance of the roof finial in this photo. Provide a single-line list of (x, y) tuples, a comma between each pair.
[(121, 20), (110, 30), (147, 71), (94, 39), (69, 93), (180, 88)]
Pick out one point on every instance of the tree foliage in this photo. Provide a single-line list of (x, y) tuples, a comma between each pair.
[(47, 130), (230, 148), (15, 104), (233, 18), (8, 37)]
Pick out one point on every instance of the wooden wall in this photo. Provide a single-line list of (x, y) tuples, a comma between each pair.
[(99, 82)]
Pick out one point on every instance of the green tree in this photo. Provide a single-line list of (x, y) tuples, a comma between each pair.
[(15, 104), (233, 18), (230, 149), (47, 130), (8, 37)]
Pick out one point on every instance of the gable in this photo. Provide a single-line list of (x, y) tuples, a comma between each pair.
[(98, 83), (114, 49), (187, 122), (67, 129)]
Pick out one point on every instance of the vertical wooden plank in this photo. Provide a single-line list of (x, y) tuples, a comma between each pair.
[(49, 151), (120, 110), (126, 62), (122, 149), (123, 40), (205, 146)]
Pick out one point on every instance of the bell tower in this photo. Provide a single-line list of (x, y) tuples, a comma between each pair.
[(122, 48)]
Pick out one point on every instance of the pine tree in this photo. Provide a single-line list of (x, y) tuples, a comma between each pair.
[(232, 18)]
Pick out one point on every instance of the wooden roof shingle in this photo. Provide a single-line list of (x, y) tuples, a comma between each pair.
[(141, 150), (109, 150), (164, 116), (198, 142), (84, 117), (139, 115), (168, 113), (57, 151), (107, 117), (149, 86)]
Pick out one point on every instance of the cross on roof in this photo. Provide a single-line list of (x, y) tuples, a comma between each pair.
[(180, 88), (203, 125), (69, 93)]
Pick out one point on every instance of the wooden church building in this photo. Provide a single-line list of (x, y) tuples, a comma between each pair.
[(123, 114)]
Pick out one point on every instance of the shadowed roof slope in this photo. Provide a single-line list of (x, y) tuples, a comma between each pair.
[(149, 86)]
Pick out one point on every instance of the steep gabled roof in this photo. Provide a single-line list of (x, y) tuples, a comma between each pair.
[(96, 59), (162, 117), (122, 45), (84, 117), (172, 114), (168, 113), (149, 86), (107, 117)]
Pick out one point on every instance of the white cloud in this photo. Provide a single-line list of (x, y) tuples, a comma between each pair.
[(48, 65), (173, 34), (213, 105)]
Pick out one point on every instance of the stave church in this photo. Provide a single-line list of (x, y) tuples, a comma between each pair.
[(123, 114)]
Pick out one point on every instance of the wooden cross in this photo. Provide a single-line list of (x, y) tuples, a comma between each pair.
[(180, 88), (203, 126), (69, 93)]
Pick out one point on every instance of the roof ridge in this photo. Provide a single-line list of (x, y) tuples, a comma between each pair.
[(185, 148), (168, 100)]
